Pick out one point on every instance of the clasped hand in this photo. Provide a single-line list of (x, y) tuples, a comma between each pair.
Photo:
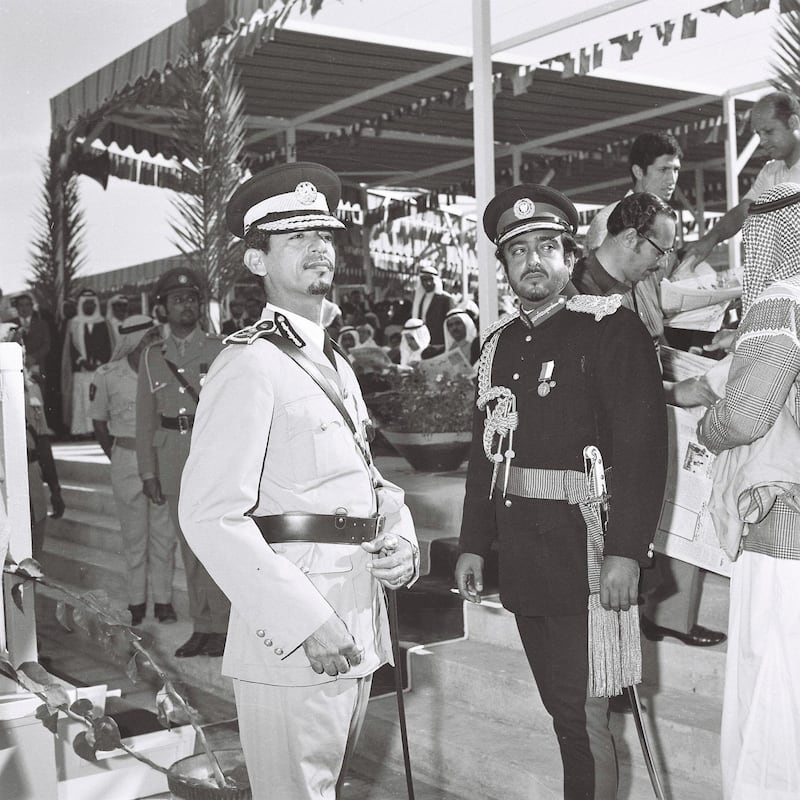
[(393, 564)]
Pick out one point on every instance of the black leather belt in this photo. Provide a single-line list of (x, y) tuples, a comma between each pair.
[(182, 423), (319, 528)]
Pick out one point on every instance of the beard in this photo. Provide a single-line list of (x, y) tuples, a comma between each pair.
[(320, 287)]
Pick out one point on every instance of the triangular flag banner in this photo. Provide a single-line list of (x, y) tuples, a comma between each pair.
[(689, 27), (716, 10), (597, 57)]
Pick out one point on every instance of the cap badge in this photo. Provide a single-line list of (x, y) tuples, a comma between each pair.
[(524, 208), (182, 279), (305, 193)]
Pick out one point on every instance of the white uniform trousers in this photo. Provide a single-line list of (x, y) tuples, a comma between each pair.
[(760, 740), (297, 739), (148, 535)]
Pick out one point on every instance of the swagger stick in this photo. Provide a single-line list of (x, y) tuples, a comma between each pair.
[(394, 635)]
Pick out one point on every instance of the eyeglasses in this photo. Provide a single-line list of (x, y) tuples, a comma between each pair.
[(662, 252)]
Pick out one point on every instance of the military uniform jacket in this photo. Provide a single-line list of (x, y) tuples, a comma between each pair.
[(161, 452), (268, 441), (604, 389), (113, 397)]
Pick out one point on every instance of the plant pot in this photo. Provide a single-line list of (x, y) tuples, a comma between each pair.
[(431, 452), (191, 778)]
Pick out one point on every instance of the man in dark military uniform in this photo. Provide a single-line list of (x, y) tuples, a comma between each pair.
[(565, 372), (170, 378)]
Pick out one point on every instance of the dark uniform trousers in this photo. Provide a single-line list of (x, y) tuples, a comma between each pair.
[(556, 648)]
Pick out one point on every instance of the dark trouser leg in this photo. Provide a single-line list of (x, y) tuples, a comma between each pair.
[(671, 591), (556, 648), (208, 606)]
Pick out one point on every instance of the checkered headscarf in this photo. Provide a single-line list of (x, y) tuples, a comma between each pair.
[(771, 234)]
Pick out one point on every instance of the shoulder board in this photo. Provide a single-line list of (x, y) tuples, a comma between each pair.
[(599, 305), (252, 333), (498, 326)]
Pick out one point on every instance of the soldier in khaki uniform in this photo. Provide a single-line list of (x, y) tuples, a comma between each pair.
[(171, 375), (148, 534)]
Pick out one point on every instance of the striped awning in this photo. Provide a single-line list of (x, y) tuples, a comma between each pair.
[(162, 53)]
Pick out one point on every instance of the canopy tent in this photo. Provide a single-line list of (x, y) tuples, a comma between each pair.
[(386, 115)]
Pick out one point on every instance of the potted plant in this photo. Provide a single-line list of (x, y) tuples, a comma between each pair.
[(206, 776), (426, 415)]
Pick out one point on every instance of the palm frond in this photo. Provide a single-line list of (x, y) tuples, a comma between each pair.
[(59, 209), (210, 130), (787, 52)]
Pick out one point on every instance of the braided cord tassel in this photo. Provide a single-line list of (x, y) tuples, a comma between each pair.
[(615, 648)]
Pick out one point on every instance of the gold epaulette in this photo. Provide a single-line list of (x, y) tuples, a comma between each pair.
[(599, 305), (252, 333)]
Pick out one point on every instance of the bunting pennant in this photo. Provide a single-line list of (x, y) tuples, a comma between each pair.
[(664, 31), (688, 27), (521, 80), (597, 57), (629, 44), (584, 62)]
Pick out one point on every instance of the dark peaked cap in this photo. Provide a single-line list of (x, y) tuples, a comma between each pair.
[(176, 278), (299, 196), (528, 207)]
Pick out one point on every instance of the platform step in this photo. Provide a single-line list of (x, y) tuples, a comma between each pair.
[(475, 756), (508, 693)]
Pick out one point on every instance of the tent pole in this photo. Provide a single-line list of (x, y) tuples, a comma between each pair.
[(483, 128)]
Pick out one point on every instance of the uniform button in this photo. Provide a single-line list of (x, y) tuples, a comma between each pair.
[(181, 389), (267, 642), (345, 394), (528, 338), (508, 504), (515, 376), (324, 426), (181, 410), (261, 634), (278, 651), (306, 570)]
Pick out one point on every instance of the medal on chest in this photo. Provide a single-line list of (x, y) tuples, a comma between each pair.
[(546, 382)]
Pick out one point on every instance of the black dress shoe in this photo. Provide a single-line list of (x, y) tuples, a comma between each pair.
[(193, 646), (698, 636), (137, 613), (165, 612), (215, 645)]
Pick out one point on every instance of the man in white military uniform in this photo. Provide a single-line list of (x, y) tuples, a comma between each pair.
[(148, 535), (282, 503)]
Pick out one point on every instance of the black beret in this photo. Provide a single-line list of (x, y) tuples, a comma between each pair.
[(290, 197), (528, 207)]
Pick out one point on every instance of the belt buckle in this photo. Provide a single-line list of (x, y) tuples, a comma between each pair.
[(183, 423), (340, 518)]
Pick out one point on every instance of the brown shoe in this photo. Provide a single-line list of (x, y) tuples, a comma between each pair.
[(193, 646), (164, 612), (137, 613), (215, 645)]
